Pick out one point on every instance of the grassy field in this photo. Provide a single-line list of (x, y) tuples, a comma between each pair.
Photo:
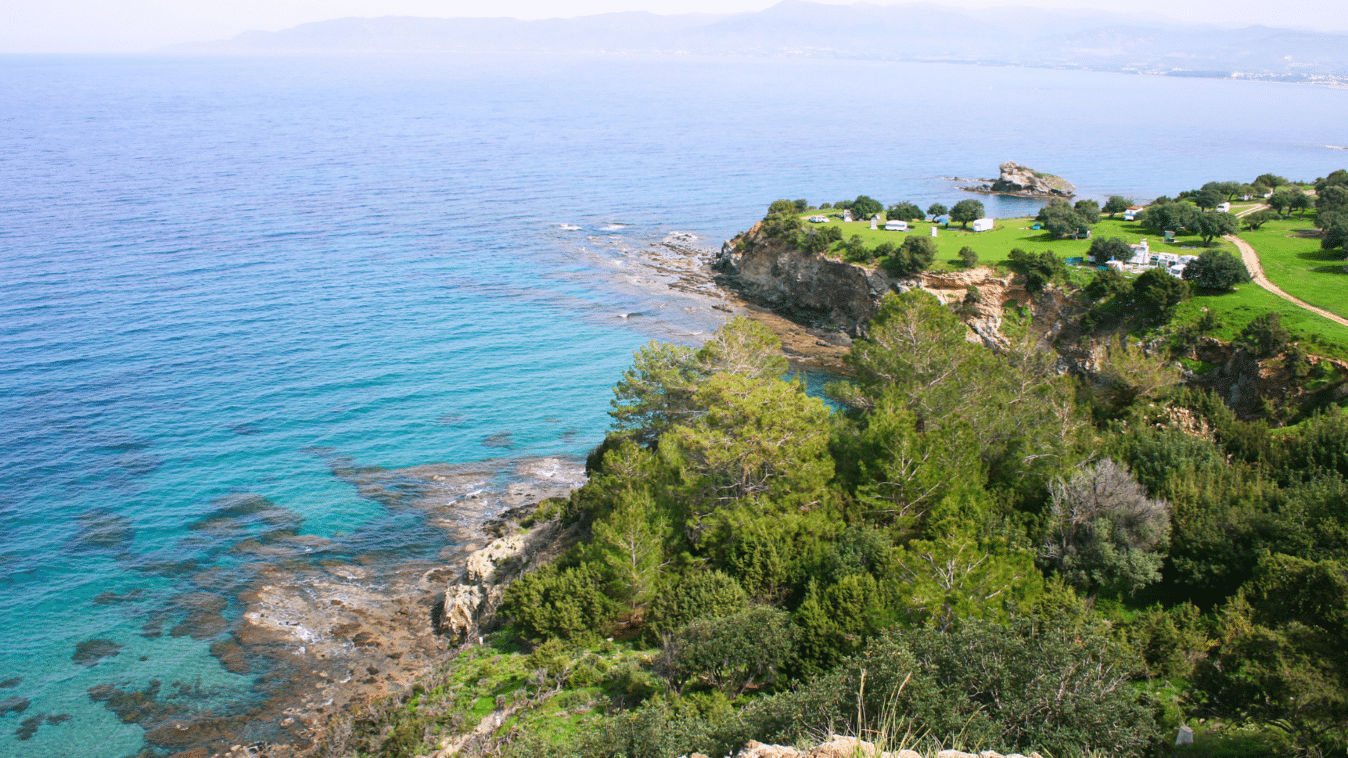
[(1238, 308), (1290, 252), (1294, 263), (992, 246)]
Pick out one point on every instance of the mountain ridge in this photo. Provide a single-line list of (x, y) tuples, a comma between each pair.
[(1107, 41)]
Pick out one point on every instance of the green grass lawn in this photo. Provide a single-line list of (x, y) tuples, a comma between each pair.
[(992, 246), (1238, 308), (1294, 263), (1290, 253)]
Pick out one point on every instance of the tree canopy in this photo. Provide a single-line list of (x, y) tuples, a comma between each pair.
[(965, 211)]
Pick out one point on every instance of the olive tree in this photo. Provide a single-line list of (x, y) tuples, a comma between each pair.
[(1105, 531), (966, 211)]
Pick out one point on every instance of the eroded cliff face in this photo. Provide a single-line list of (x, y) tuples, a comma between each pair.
[(800, 285), (828, 292)]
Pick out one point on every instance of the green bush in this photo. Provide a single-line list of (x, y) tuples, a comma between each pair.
[(559, 602), (1026, 685), (731, 653), (695, 595)]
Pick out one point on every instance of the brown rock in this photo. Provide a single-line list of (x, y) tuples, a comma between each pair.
[(756, 749), (844, 747)]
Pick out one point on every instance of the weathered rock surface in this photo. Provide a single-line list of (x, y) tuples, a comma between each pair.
[(481, 588), (839, 297), (851, 747), (1016, 179)]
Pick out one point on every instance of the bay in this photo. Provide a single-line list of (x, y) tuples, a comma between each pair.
[(219, 275)]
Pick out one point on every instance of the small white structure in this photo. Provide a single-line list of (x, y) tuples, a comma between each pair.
[(875, 220), (1130, 213), (1187, 259), (1224, 208), (895, 225), (933, 231), (817, 219), (1141, 254), (847, 215), (983, 224), (1117, 265)]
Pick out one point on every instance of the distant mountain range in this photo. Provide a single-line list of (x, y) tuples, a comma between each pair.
[(913, 32)]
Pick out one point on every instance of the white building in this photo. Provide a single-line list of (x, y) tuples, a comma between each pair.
[(816, 219), (1224, 208), (983, 224), (847, 215), (1130, 213), (895, 225)]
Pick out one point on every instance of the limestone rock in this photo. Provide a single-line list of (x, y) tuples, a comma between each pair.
[(844, 747), (1025, 180), (905, 754), (480, 590), (756, 749), (955, 754)]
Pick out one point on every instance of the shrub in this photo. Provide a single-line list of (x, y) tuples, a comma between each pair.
[(730, 653), (1159, 293), (1105, 530), (695, 595), (559, 602), (915, 255), (1265, 335), (1216, 270), (1023, 685)]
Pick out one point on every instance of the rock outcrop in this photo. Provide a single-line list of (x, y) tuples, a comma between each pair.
[(477, 594), (1021, 180), (840, 297), (804, 286), (851, 747)]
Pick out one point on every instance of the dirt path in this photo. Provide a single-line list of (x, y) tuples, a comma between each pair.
[(1251, 258)]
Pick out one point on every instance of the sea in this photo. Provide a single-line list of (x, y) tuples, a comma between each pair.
[(220, 275)]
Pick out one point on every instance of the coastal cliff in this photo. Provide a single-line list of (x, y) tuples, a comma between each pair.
[(838, 298)]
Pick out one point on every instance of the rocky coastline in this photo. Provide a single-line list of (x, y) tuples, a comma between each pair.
[(326, 639)]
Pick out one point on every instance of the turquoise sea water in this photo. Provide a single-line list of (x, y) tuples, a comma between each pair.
[(218, 275)]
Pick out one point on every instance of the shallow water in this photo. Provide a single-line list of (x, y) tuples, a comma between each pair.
[(227, 284)]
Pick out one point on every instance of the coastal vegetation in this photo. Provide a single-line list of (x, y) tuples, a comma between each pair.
[(957, 545)]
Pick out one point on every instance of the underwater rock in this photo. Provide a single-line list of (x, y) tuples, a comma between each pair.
[(102, 531), (90, 652), (28, 727), (109, 597), (16, 704)]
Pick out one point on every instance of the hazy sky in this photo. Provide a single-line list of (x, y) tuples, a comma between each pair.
[(134, 25)]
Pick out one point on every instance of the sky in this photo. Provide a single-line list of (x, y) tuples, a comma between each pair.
[(96, 26)]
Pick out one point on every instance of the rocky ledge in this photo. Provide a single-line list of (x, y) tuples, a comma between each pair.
[(1024, 181), (851, 747)]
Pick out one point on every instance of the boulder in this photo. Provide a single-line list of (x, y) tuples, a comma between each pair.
[(844, 747), (1025, 180), (756, 749)]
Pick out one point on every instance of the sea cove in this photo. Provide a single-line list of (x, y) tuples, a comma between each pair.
[(236, 291)]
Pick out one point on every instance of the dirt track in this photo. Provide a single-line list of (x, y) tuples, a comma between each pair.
[(1251, 258)]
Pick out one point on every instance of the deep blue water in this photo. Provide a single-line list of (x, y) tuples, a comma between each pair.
[(215, 275)]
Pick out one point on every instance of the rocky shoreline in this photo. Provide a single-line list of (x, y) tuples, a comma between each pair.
[(328, 638), (333, 638)]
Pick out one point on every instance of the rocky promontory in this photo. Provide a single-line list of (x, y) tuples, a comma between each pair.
[(1023, 181), (837, 298)]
